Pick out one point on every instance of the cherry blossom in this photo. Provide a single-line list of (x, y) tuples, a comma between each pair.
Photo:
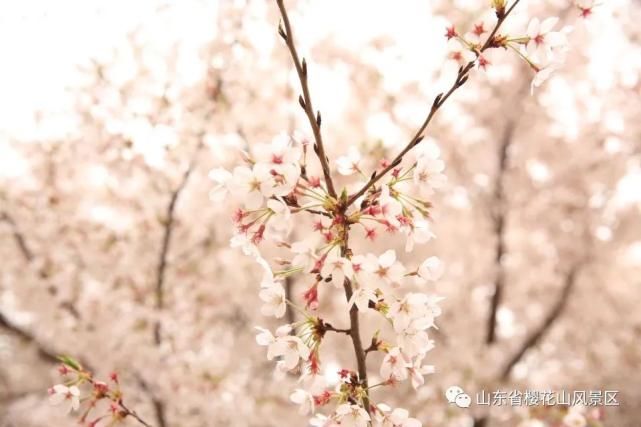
[(352, 416), (385, 268), (394, 365), (337, 268), (273, 295), (349, 163), (431, 269), (304, 399), (398, 417), (542, 40), (459, 52), (68, 397)]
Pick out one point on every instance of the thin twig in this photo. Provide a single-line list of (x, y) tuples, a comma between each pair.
[(306, 100), (440, 99), (18, 236), (128, 412)]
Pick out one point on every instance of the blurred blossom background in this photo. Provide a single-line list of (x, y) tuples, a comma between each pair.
[(113, 114)]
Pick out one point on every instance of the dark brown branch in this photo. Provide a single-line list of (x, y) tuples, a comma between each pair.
[(18, 236), (166, 242), (158, 404), (440, 99), (44, 353), (354, 329), (129, 413), (306, 100), (289, 290), (499, 228), (548, 322)]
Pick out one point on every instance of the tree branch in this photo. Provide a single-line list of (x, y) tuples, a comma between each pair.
[(440, 99), (166, 242), (500, 215), (45, 353), (158, 404), (306, 100), (550, 319), (354, 329), (18, 236)]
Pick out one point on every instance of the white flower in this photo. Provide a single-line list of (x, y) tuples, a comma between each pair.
[(280, 222), (273, 295), (348, 164), (304, 399), (541, 76), (417, 371), (321, 420), (481, 29), (458, 52), (394, 365), (305, 256), (279, 152), (399, 417), (428, 173), (284, 179), (253, 184), (431, 269), (221, 177), (352, 416), (390, 207), (69, 397), (542, 40), (244, 242), (414, 312), (338, 268), (385, 267), (574, 419), (414, 342), (361, 297), (290, 348), (419, 232)]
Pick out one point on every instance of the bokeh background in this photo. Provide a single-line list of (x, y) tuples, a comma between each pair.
[(113, 114)]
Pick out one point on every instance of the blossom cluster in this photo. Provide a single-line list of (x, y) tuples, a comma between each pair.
[(101, 404), (543, 48), (272, 187)]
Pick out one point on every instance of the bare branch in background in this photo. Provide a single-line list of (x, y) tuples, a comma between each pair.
[(44, 352), (499, 216), (158, 404), (18, 236), (168, 223), (536, 335)]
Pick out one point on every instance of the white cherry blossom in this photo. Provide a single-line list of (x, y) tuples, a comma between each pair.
[(68, 397), (304, 399), (338, 268), (273, 296), (542, 40), (394, 365), (352, 416), (385, 268), (348, 164), (431, 269), (398, 417)]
